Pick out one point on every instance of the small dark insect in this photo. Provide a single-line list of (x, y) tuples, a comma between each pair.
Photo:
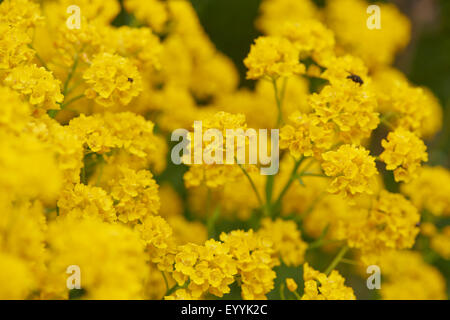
[(130, 79), (355, 78), (418, 224)]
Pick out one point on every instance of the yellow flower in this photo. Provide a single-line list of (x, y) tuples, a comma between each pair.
[(291, 284), (306, 135), (319, 286), (253, 255), (28, 167), (152, 12), (104, 132), (407, 277), (14, 48), (14, 113), (87, 201), (311, 38), (17, 280), (403, 105), (352, 168), (350, 107), (118, 274), (22, 14), (209, 268), (348, 19), (38, 85), (215, 175), (441, 243), (430, 190), (273, 13), (112, 79), (135, 194), (391, 223), (273, 57), (403, 153), (138, 44), (286, 239)]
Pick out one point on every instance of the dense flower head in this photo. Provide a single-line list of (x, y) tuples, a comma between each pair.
[(75, 242), (403, 153), (138, 44), (135, 194), (348, 19), (152, 12), (103, 132), (209, 268), (254, 261), (273, 13), (113, 79), (404, 105), (14, 48), (409, 277), (319, 286), (306, 135), (311, 38), (440, 243), (352, 168), (391, 223), (15, 113), (220, 172), (33, 161), (273, 57), (38, 85), (430, 190), (17, 279), (350, 107), (88, 185), (286, 238), (83, 201), (23, 14)]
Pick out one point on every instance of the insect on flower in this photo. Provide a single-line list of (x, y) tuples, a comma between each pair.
[(355, 78)]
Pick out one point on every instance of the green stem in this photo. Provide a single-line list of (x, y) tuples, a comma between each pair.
[(175, 288), (165, 281), (65, 104), (269, 192), (336, 259), (211, 223), (282, 296), (290, 181), (261, 203), (297, 295), (279, 102), (70, 74), (309, 174)]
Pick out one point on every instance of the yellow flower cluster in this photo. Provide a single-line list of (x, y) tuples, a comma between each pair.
[(273, 57), (408, 277), (38, 86), (403, 153), (430, 190), (348, 19), (287, 241), (391, 223), (319, 286), (113, 80), (86, 116), (352, 168), (215, 174), (116, 244)]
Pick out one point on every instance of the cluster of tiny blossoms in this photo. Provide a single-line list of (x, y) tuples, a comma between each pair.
[(86, 113)]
